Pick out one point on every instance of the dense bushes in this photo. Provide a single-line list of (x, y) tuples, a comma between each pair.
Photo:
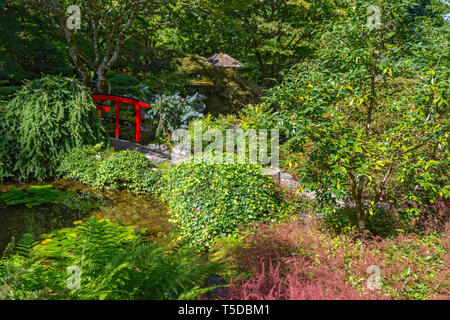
[(205, 200), (114, 261), (369, 126), (300, 261), (47, 117), (124, 170), (128, 170), (126, 85), (81, 164), (210, 200)]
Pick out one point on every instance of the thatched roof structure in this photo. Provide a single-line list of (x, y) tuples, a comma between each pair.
[(223, 60)]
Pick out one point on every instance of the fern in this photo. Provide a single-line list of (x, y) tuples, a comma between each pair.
[(25, 246), (115, 263)]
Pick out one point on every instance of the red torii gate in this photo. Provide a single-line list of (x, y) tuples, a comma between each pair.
[(117, 100)]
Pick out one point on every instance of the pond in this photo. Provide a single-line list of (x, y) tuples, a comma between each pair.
[(41, 208)]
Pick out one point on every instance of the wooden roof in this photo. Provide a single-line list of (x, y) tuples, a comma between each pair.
[(223, 60)]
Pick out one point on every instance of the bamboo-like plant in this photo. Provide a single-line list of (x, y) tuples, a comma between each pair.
[(47, 117)]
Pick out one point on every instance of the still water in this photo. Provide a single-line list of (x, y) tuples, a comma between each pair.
[(143, 212)]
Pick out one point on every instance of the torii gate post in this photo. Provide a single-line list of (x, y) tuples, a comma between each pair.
[(116, 118)]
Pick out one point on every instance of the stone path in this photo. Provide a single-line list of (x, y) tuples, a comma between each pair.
[(157, 155)]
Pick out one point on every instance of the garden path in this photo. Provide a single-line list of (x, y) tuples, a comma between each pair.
[(158, 156)]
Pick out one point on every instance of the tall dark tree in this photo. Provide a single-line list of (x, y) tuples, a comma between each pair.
[(269, 35), (106, 25), (31, 46)]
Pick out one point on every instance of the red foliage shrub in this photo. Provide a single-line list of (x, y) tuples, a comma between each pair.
[(271, 284), (295, 261)]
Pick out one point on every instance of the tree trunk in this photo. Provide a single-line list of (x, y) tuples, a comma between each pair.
[(102, 82), (359, 206)]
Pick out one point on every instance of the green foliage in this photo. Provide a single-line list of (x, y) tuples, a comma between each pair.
[(169, 113), (251, 117), (26, 245), (22, 276), (36, 196), (115, 263), (81, 164), (168, 82), (369, 117), (32, 45), (124, 170), (211, 200), (6, 93), (381, 222), (47, 117), (230, 91), (127, 169), (126, 85), (267, 36)]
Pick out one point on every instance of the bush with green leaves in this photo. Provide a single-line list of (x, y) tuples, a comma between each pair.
[(171, 112), (81, 164), (115, 263), (127, 169), (369, 114), (46, 118), (126, 85), (251, 117), (123, 170), (211, 200)]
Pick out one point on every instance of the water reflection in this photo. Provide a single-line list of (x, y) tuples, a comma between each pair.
[(139, 211)]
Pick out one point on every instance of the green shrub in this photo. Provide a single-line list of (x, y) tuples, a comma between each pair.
[(169, 113), (81, 164), (374, 144), (380, 223), (125, 85), (127, 169), (115, 263), (47, 117), (251, 117), (211, 200), (124, 170)]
